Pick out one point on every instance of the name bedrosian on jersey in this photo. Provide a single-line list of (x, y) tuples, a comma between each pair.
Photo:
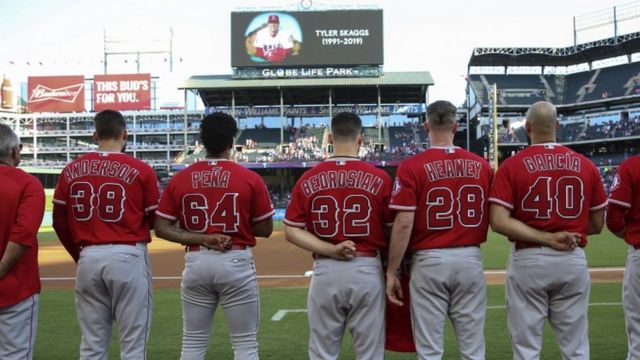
[(544, 162), (446, 169), (107, 168), (353, 179)]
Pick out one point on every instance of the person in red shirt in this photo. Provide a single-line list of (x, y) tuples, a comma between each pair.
[(623, 219), (220, 208), (20, 217), (440, 196), (338, 212), (103, 210), (546, 199)]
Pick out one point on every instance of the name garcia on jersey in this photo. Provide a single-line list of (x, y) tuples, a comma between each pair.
[(545, 162), (342, 179)]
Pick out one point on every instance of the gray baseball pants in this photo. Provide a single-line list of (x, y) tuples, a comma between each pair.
[(113, 283), (18, 326), (543, 283), (448, 283), (229, 279), (346, 294), (631, 302)]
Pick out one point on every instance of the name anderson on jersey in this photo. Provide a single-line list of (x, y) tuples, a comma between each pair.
[(107, 168), (341, 179)]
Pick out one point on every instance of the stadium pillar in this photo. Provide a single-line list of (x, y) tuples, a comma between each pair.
[(330, 107), (281, 122), (233, 105), (185, 126), (379, 115)]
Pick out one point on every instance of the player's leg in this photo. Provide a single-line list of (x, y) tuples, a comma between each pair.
[(128, 277), (429, 302), (199, 301), (568, 305), (240, 301), (468, 302), (93, 303), (326, 318), (18, 326), (631, 302), (366, 319), (527, 302)]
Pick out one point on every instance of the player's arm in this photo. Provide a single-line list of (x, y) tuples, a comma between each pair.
[(262, 228), (616, 215), (400, 234), (11, 255), (63, 231), (167, 229), (503, 223), (596, 222), (306, 240)]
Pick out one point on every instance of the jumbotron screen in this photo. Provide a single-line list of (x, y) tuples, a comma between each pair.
[(335, 37)]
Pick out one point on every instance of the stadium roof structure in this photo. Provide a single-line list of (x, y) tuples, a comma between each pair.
[(576, 54), (394, 87)]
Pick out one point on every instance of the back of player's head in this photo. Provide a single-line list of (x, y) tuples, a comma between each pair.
[(346, 126), (8, 140), (441, 115), (110, 124), (542, 117), (217, 132)]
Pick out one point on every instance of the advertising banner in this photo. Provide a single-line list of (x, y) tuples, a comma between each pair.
[(306, 38), (9, 90), (55, 93), (122, 92)]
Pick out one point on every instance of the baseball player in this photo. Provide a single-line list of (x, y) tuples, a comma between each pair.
[(337, 211), (220, 208), (441, 199), (546, 199), (104, 206), (623, 219), (20, 217), (272, 43)]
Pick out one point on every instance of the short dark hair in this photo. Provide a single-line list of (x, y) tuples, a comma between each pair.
[(109, 124), (346, 126), (441, 114), (217, 132)]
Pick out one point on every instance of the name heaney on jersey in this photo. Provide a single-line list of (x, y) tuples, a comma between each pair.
[(210, 179), (107, 168), (545, 162), (341, 180), (446, 169)]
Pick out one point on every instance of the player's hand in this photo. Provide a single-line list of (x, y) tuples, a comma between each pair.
[(564, 240), (394, 290), (218, 242), (344, 251)]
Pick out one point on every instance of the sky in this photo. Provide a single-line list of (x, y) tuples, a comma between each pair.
[(65, 37)]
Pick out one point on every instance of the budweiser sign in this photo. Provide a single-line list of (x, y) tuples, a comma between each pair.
[(56, 94)]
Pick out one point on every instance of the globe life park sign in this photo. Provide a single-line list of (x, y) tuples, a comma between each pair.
[(306, 72)]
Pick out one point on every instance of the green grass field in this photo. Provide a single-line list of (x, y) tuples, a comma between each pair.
[(59, 335)]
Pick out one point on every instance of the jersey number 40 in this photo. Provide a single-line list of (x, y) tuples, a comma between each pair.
[(563, 195)]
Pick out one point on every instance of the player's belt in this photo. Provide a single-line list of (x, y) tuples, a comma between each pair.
[(129, 243), (356, 254), (190, 248), (521, 245)]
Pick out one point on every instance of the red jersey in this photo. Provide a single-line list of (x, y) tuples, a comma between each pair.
[(447, 188), (217, 196), (625, 193), (20, 217), (550, 187), (108, 196), (341, 199)]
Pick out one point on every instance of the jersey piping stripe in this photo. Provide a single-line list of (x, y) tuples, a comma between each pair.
[(166, 216), (293, 223), (59, 202), (152, 207), (400, 207), (601, 206), (620, 203), (260, 218), (500, 202)]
